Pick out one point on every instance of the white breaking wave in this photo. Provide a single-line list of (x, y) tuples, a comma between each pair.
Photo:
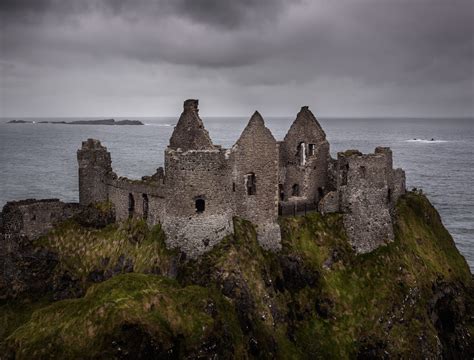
[(426, 141), (161, 125)]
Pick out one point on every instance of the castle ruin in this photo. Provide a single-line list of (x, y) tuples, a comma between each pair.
[(203, 186)]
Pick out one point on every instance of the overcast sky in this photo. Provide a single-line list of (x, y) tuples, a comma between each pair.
[(144, 57)]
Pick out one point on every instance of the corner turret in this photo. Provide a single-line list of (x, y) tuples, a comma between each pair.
[(189, 133)]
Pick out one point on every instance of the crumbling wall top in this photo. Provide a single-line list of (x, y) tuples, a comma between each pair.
[(189, 133), (92, 144), (191, 105)]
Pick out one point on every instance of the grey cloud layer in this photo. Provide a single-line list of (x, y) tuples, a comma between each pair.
[(396, 48)]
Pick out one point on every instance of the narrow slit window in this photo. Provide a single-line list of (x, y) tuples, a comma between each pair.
[(200, 205), (320, 193), (345, 170), (281, 192), (312, 149), (145, 206), (131, 205), (251, 184)]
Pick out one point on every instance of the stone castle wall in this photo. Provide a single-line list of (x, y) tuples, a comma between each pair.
[(255, 180), (137, 199), (198, 203), (24, 267), (33, 218), (367, 191), (304, 156), (203, 186), (95, 167)]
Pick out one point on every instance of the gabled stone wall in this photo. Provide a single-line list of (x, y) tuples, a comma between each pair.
[(304, 156), (255, 180)]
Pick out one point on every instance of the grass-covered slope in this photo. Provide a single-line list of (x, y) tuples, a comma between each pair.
[(383, 302), (131, 244), (128, 314), (314, 299)]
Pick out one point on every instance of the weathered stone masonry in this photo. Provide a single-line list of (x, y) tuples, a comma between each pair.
[(366, 191), (203, 186)]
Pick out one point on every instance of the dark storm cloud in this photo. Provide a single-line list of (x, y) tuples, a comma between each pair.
[(34, 10), (229, 14), (389, 52), (218, 13)]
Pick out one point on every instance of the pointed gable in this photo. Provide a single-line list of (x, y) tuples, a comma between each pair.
[(189, 133), (256, 130), (305, 128)]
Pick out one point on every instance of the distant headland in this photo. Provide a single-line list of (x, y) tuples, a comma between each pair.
[(82, 122)]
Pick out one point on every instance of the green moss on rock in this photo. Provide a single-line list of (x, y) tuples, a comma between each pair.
[(149, 312), (314, 299), (14, 314), (380, 299)]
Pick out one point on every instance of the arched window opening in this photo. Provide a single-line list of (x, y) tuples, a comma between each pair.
[(200, 205), (145, 206), (281, 192), (131, 205), (251, 184), (295, 190)]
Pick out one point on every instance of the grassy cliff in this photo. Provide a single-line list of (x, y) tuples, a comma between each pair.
[(314, 299)]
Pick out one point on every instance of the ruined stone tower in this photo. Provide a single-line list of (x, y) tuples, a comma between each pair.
[(95, 166), (367, 188), (199, 205)]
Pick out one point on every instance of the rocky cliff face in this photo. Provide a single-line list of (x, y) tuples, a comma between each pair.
[(316, 298)]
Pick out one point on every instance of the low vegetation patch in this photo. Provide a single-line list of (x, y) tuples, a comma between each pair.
[(129, 246)]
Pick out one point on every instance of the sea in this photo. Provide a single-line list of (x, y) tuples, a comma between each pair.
[(39, 160)]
